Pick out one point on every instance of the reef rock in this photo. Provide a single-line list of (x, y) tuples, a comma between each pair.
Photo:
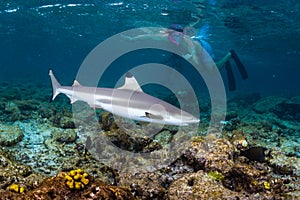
[(64, 135), (143, 185), (284, 164), (10, 135), (267, 104), (289, 109), (200, 186), (210, 155)]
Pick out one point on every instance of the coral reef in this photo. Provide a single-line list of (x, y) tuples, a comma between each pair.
[(55, 188), (16, 177), (42, 150)]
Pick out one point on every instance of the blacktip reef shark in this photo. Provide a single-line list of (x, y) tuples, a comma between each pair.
[(128, 101)]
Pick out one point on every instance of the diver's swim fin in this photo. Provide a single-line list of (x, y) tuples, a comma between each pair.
[(230, 76), (239, 64)]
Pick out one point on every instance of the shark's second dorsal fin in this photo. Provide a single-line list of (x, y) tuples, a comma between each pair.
[(131, 83), (76, 83)]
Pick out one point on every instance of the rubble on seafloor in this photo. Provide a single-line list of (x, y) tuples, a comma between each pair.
[(40, 145)]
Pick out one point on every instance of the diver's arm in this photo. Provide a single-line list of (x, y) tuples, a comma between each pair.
[(191, 48), (192, 24), (147, 35), (140, 37)]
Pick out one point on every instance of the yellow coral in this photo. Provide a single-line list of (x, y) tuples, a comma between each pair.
[(69, 178), (84, 180), (72, 173), (79, 185), (267, 185), (16, 188), (70, 184), (77, 179)]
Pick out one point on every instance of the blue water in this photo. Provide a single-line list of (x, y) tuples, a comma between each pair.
[(38, 35)]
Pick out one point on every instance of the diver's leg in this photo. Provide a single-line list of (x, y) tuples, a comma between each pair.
[(230, 76), (232, 54), (239, 64), (225, 62), (221, 63)]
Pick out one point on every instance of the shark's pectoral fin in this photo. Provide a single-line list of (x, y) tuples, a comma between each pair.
[(152, 116), (72, 99)]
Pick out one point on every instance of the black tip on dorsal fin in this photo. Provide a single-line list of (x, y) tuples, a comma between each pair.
[(129, 75)]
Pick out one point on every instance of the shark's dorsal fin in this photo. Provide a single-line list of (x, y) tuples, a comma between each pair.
[(76, 83), (131, 83)]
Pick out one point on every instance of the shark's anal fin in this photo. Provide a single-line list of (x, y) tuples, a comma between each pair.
[(131, 83), (151, 116)]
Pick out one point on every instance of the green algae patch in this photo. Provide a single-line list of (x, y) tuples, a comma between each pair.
[(215, 175)]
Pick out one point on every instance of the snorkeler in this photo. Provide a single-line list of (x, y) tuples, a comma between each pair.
[(200, 38), (183, 36)]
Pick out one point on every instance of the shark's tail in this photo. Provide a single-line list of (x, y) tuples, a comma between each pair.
[(55, 85)]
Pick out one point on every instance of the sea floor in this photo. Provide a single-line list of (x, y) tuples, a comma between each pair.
[(253, 154)]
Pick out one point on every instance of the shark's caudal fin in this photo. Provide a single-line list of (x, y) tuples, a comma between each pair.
[(55, 85)]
